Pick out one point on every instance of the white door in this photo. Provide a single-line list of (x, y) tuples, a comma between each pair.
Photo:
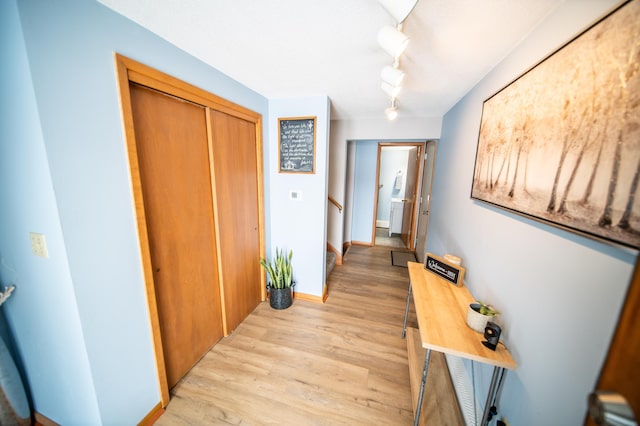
[(425, 200)]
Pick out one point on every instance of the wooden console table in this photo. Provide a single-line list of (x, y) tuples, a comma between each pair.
[(441, 310)]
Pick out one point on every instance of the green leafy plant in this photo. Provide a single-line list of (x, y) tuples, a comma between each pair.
[(279, 269), (484, 309)]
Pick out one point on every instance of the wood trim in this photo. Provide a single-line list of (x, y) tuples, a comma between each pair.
[(620, 371), (362, 243), (40, 420), (216, 223), (335, 250), (335, 203), (311, 297), (315, 131), (261, 216), (345, 248), (376, 194), (416, 197), (418, 180), (150, 77), (129, 70), (152, 416), (122, 74)]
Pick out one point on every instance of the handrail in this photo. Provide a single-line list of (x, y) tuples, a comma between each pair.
[(335, 203)]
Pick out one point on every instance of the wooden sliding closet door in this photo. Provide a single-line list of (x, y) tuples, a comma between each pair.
[(236, 188), (173, 156)]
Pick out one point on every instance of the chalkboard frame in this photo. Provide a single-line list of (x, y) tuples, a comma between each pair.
[(281, 167)]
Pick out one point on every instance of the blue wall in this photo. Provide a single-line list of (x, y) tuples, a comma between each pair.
[(364, 188), (79, 317), (300, 225), (42, 312), (559, 293)]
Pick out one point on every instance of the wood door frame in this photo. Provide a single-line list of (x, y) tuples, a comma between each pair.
[(434, 144), (619, 352), (420, 146), (129, 70)]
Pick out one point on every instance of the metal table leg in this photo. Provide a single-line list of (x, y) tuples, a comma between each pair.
[(406, 312), (493, 389), (416, 420)]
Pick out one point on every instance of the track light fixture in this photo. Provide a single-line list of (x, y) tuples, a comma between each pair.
[(399, 9), (392, 40), (392, 75), (392, 111), (392, 91)]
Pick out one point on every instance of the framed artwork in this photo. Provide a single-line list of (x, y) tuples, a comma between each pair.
[(297, 145), (561, 143)]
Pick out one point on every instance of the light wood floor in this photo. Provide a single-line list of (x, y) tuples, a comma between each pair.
[(383, 239), (339, 363)]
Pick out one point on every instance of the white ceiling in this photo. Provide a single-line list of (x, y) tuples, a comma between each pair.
[(291, 48)]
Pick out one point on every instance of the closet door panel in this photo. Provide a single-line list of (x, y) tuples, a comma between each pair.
[(236, 193), (172, 148)]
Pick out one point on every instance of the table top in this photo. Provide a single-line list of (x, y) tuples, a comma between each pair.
[(441, 309)]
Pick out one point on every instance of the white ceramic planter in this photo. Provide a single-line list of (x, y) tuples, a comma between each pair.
[(477, 321)]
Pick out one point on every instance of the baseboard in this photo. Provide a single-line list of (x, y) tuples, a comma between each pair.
[(149, 419), (382, 223), (338, 254), (362, 243), (153, 415), (311, 297), (40, 420), (345, 247)]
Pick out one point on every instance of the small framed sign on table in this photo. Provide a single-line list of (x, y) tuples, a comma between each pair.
[(441, 267), (297, 145)]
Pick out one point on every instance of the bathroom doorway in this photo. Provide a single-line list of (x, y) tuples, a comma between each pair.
[(399, 169)]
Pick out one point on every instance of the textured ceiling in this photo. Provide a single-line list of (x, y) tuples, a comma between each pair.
[(290, 48)]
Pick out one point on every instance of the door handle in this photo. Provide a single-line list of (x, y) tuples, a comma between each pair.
[(610, 409)]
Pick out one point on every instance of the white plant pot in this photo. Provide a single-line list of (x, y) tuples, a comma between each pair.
[(477, 321)]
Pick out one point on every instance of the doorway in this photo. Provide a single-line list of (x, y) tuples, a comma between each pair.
[(397, 179)]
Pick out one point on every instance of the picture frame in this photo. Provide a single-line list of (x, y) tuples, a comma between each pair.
[(297, 145), (561, 143)]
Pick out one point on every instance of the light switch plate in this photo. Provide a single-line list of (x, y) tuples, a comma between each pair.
[(295, 195), (38, 244)]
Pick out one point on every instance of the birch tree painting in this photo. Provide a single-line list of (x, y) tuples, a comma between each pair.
[(562, 142)]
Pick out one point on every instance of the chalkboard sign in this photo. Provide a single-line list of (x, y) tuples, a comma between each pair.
[(297, 144), (442, 268)]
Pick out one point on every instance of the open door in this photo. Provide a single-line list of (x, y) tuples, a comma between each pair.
[(410, 196), (425, 200), (617, 395)]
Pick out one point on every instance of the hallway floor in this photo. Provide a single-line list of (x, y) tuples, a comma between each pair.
[(383, 239), (342, 362)]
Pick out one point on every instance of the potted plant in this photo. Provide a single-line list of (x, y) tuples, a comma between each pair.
[(281, 282), (479, 314)]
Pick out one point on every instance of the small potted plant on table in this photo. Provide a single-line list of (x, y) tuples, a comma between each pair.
[(479, 314), (281, 283)]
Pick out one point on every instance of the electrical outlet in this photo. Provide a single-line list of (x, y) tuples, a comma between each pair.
[(38, 244)]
